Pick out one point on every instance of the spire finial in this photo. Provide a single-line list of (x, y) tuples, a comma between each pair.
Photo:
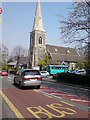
[(38, 1)]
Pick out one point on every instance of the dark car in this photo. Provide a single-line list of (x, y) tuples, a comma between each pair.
[(28, 77), (87, 71)]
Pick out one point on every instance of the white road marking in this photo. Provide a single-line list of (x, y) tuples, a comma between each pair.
[(9, 80), (80, 100), (57, 94), (47, 94), (72, 95), (1, 77)]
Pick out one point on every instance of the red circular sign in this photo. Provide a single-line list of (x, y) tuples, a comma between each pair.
[(1, 11)]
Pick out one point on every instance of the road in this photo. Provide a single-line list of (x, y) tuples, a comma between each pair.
[(52, 101)]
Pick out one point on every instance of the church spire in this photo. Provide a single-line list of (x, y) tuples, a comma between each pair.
[(38, 24)]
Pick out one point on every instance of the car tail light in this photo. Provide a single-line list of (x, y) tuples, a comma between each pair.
[(26, 78), (39, 78)]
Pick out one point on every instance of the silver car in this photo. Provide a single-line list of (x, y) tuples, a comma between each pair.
[(28, 77)]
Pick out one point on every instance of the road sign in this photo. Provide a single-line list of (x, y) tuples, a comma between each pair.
[(1, 10), (63, 63)]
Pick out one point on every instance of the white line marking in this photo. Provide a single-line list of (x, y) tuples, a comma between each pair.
[(57, 94), (79, 100), (1, 77), (72, 95), (9, 80), (47, 94)]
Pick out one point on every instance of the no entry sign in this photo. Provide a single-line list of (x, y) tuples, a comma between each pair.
[(1, 11)]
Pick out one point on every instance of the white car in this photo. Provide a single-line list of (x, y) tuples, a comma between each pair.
[(79, 72), (44, 73)]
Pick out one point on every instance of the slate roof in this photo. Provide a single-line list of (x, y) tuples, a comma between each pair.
[(12, 63), (64, 53)]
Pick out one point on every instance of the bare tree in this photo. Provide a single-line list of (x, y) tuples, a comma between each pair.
[(19, 54), (4, 53), (76, 28)]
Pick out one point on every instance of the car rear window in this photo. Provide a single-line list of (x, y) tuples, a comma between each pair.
[(32, 72), (82, 71), (4, 70), (43, 72)]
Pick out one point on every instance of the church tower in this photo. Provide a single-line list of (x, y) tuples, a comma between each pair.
[(37, 38)]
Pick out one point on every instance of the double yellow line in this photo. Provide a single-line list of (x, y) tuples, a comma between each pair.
[(12, 107)]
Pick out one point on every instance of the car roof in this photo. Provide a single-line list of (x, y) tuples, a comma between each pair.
[(81, 70), (22, 70)]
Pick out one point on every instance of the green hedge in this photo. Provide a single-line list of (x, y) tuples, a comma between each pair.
[(83, 80), (12, 71)]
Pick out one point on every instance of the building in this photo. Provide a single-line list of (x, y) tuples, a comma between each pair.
[(59, 54), (38, 47), (37, 39)]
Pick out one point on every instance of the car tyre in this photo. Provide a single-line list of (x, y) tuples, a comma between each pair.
[(20, 85), (14, 83), (38, 87)]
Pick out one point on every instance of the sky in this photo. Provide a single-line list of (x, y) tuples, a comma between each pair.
[(18, 18)]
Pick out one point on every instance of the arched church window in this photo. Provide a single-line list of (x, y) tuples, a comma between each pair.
[(40, 40)]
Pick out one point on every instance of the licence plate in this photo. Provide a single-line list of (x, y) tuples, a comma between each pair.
[(33, 79)]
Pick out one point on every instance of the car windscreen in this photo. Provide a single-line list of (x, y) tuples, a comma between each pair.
[(32, 72)]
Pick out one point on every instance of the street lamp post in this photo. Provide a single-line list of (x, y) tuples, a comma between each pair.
[(66, 55)]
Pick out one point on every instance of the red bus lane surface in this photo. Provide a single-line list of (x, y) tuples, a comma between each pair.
[(33, 104), (64, 95)]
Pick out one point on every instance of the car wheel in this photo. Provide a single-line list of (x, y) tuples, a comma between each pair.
[(38, 87), (14, 82), (20, 85)]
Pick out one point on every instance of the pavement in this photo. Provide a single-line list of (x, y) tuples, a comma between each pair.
[(55, 81)]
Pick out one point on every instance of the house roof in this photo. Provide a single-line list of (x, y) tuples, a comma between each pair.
[(12, 63), (64, 53)]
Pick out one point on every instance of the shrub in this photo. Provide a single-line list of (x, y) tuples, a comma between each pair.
[(83, 80)]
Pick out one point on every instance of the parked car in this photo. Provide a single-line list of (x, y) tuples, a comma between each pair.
[(79, 72), (87, 71), (4, 73), (44, 73), (28, 77), (0, 72)]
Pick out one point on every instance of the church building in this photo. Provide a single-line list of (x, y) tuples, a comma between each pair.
[(37, 38), (38, 46)]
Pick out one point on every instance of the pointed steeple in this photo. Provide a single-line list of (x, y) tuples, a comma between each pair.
[(38, 24)]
